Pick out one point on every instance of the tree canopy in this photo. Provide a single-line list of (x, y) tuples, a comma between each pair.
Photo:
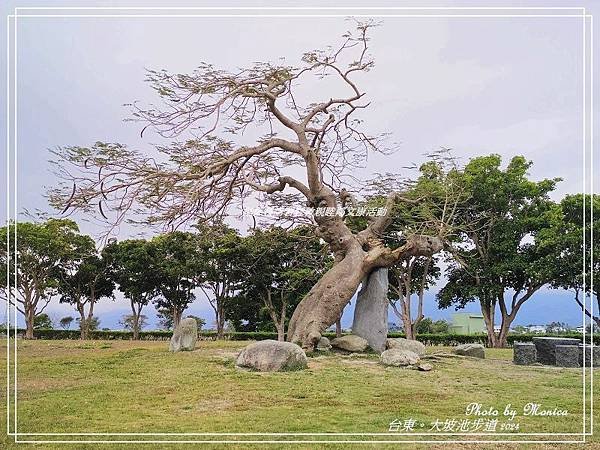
[(504, 243)]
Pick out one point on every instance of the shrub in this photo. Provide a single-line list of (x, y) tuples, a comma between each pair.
[(160, 335)]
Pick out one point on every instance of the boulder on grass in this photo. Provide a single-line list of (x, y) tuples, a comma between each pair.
[(184, 336), (272, 356), (350, 343), (324, 345), (473, 350), (406, 344), (398, 358)]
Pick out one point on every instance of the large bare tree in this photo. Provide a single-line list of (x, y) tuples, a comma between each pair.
[(309, 147)]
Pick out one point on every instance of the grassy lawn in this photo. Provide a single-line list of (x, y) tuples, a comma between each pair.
[(139, 387)]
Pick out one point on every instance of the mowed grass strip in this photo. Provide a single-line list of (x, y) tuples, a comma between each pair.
[(127, 386)]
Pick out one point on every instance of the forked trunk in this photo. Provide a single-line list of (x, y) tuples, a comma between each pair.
[(324, 303), (136, 313)]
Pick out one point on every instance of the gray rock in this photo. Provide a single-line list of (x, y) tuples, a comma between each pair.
[(350, 343), (371, 310), (589, 361), (424, 367), (398, 358), (567, 355), (184, 336), (473, 350), (272, 356), (545, 347), (324, 345), (524, 353), (406, 344)]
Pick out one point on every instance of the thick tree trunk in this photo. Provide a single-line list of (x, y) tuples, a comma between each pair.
[(497, 340), (136, 327), (136, 313), (338, 327), (176, 317), (29, 319), (324, 303), (220, 320), (280, 332), (406, 317), (83, 327), (488, 318)]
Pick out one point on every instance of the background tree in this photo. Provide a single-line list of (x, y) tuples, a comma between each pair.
[(557, 327), (134, 323), (281, 268), (503, 247), (199, 321), (175, 271), (413, 276), (575, 229), (42, 249), (42, 322), (132, 265), (428, 326), (89, 324), (219, 268), (84, 281), (65, 322), (165, 318)]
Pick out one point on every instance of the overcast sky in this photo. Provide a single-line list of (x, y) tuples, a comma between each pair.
[(476, 85)]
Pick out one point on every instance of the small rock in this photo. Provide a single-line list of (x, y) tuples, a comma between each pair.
[(350, 343), (425, 367), (398, 358), (473, 350), (184, 336), (272, 356), (324, 345), (406, 344)]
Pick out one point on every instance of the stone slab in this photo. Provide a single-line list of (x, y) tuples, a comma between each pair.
[(545, 347), (567, 355), (371, 310), (524, 353)]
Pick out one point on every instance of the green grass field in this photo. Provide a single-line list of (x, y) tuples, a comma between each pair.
[(139, 387)]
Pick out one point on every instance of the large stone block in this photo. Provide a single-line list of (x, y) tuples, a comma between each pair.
[(567, 355), (589, 361), (272, 356), (545, 347), (524, 353), (184, 336), (371, 310)]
